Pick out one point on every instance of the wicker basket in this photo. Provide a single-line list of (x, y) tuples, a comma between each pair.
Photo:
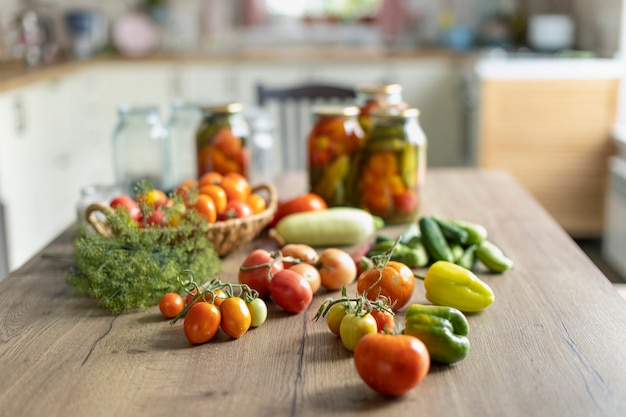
[(226, 235)]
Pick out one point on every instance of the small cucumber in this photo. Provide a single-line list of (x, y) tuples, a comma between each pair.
[(493, 257), (468, 259), (476, 233), (341, 226), (433, 239), (452, 232)]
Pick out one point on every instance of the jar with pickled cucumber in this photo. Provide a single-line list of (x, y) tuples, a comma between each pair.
[(374, 96), (392, 166), (221, 140), (332, 144)]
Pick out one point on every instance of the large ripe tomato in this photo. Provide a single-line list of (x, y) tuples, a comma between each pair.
[(302, 203), (310, 273), (259, 278), (201, 322), (210, 177), (391, 364), (396, 283), (353, 327), (236, 317), (128, 204), (304, 253), (291, 291), (337, 268), (171, 304), (206, 207)]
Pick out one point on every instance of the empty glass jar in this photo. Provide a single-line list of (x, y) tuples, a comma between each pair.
[(140, 148), (184, 120)]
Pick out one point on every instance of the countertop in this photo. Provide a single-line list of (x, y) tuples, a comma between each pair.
[(552, 344)]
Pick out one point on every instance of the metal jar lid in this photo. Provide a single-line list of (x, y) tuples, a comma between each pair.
[(336, 110), (396, 113), (380, 88), (223, 108)]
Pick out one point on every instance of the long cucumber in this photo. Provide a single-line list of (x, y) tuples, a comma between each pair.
[(340, 226)]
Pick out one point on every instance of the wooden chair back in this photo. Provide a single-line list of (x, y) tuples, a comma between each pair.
[(292, 109)]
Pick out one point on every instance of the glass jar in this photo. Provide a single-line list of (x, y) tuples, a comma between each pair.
[(332, 145), (262, 163), (222, 140), (374, 96), (184, 120), (392, 167), (95, 193), (140, 148)]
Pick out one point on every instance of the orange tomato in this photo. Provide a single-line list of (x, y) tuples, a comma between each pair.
[(217, 194), (206, 207), (236, 317), (256, 203), (396, 282), (211, 177), (236, 188)]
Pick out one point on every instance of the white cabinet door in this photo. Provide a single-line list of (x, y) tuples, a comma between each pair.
[(208, 83), (434, 86)]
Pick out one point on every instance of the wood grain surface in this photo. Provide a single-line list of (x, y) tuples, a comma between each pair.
[(552, 344)]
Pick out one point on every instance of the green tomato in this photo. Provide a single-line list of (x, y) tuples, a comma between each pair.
[(335, 315), (258, 312), (354, 327)]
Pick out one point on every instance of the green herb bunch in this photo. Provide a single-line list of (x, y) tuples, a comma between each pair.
[(132, 269)]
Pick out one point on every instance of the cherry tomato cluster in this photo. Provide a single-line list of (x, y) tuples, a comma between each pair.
[(221, 197), (217, 305), (292, 275), (214, 196)]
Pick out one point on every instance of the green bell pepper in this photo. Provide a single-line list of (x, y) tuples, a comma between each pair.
[(442, 329), (448, 284)]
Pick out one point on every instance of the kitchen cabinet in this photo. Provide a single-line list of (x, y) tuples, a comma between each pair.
[(52, 144), (554, 135)]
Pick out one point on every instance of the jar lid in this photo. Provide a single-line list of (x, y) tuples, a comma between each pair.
[(395, 113), (223, 108), (336, 110), (380, 88)]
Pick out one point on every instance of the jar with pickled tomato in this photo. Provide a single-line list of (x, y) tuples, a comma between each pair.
[(392, 168), (375, 96), (221, 140), (332, 146)]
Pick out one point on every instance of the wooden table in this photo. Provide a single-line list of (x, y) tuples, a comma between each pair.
[(552, 344)]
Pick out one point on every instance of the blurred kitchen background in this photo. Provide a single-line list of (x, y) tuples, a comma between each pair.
[(204, 25), (531, 86)]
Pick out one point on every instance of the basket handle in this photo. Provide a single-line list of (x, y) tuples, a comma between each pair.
[(272, 202), (91, 215)]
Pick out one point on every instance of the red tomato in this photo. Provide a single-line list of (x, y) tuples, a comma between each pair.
[(202, 322), (305, 253), (396, 283), (337, 268), (156, 218), (236, 317), (259, 278), (128, 204), (171, 305), (305, 202), (406, 202), (236, 209), (290, 291), (391, 364)]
